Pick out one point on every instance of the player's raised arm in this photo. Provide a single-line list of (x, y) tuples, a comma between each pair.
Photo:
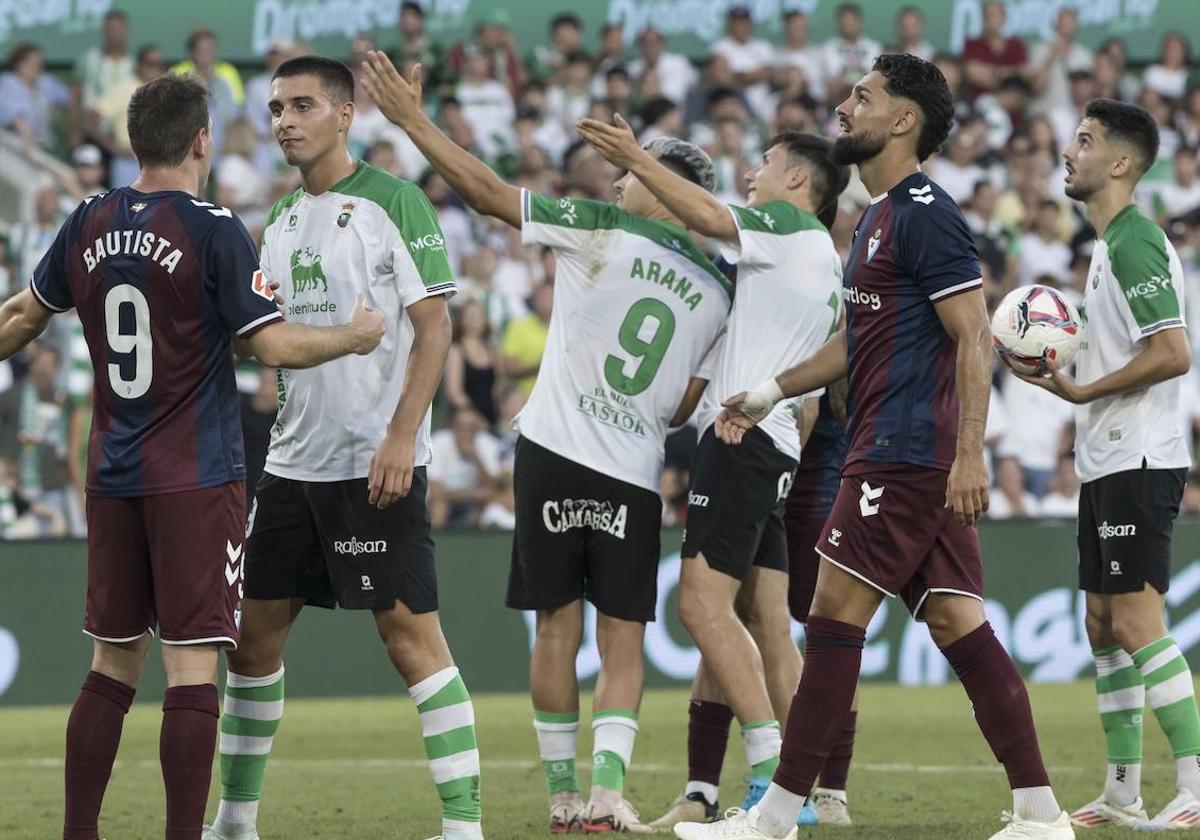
[(286, 345), (471, 178), (964, 317), (22, 319), (695, 206), (746, 410)]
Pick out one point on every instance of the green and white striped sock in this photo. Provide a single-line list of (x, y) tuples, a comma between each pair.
[(1173, 698), (448, 725), (253, 710), (763, 743), (1121, 695), (613, 734), (556, 733)]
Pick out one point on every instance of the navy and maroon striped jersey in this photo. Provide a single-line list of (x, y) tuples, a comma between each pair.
[(912, 248), (161, 282)]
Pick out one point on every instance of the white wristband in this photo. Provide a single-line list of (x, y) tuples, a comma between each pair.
[(768, 393)]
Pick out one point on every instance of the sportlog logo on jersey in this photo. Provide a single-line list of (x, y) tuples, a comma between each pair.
[(585, 513), (308, 277)]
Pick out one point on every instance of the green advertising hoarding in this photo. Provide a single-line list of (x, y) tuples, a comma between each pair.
[(65, 28), (1032, 603)]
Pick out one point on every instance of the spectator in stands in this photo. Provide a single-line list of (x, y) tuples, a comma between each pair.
[(525, 339), (1180, 196), (1169, 75), (20, 517), (910, 34), (1062, 491), (992, 57), (31, 99), (224, 83), (28, 241), (258, 90), (87, 163), (1051, 62), (6, 289), (750, 59), (611, 56), (465, 472), (956, 169), (798, 52), (1129, 83), (487, 106), (415, 44), (1066, 118), (471, 364), (496, 43), (566, 39), (730, 162), (240, 185), (994, 240), (1030, 451), (258, 416), (661, 118), (1188, 118), (42, 433), (108, 117), (849, 54), (104, 67), (661, 73), (569, 98), (1042, 250)]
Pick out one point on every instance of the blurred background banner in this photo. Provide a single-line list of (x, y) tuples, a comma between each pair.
[(1033, 606), (247, 28)]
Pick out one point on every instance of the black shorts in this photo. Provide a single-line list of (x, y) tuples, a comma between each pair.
[(324, 542), (1125, 522), (581, 534), (736, 504)]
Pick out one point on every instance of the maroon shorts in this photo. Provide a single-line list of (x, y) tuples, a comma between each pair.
[(803, 531), (171, 562), (890, 528)]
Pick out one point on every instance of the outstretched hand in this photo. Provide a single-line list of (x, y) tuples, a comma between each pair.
[(1057, 383), (398, 99), (616, 143)]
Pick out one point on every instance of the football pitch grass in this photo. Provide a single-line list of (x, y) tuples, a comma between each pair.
[(354, 768)]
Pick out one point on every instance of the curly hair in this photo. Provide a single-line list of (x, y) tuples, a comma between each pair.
[(922, 83)]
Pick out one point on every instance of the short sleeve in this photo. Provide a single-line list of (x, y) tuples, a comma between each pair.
[(565, 224), (419, 258), (708, 365), (936, 247), (50, 283), (243, 292), (764, 234), (1143, 272)]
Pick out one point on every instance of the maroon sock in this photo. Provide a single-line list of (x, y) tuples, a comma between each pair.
[(1001, 704), (832, 656), (708, 734), (93, 733), (185, 749), (837, 766)]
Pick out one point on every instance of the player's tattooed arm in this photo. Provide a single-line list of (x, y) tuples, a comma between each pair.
[(691, 397), (22, 319), (696, 207), (390, 475), (746, 410), (400, 101), (965, 320)]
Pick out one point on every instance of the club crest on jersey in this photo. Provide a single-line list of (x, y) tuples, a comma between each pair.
[(291, 223), (873, 243), (922, 194), (344, 218)]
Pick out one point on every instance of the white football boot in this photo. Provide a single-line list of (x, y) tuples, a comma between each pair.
[(1019, 829), (737, 825), (1100, 812)]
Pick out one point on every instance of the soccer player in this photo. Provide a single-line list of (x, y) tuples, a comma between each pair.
[(787, 304), (637, 308), (339, 516), (1131, 454), (162, 281), (918, 352)]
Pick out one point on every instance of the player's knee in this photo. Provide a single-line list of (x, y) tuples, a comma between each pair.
[(123, 662), (949, 620), (696, 611), (1133, 630), (1099, 629)]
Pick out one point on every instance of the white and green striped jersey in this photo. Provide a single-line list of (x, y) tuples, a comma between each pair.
[(1134, 290), (369, 234), (636, 309), (789, 293)]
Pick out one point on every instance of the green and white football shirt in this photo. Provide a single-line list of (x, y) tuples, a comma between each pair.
[(636, 309), (789, 293), (1134, 290), (369, 234)]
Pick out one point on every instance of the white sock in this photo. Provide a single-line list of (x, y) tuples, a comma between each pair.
[(778, 811), (709, 792), (237, 813), (1036, 804), (762, 741), (1187, 774), (459, 830), (1123, 784)]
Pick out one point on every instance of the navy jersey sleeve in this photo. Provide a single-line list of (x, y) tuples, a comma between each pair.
[(243, 294), (937, 248), (51, 284)]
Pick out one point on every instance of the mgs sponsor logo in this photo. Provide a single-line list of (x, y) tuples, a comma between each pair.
[(857, 296), (1148, 288), (354, 546), (585, 513), (430, 242), (1108, 532)]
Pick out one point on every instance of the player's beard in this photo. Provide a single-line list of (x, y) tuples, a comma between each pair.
[(855, 148), (1080, 189)]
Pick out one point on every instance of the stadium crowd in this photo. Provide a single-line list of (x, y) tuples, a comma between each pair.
[(516, 105)]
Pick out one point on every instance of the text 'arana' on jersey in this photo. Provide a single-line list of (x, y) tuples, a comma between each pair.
[(680, 285), (140, 243)]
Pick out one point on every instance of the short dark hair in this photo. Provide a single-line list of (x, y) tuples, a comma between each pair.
[(921, 82), (199, 35), (116, 14), (852, 8), (164, 118), (336, 79), (566, 19), (20, 52), (657, 108), (1130, 124), (412, 6), (829, 179)]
